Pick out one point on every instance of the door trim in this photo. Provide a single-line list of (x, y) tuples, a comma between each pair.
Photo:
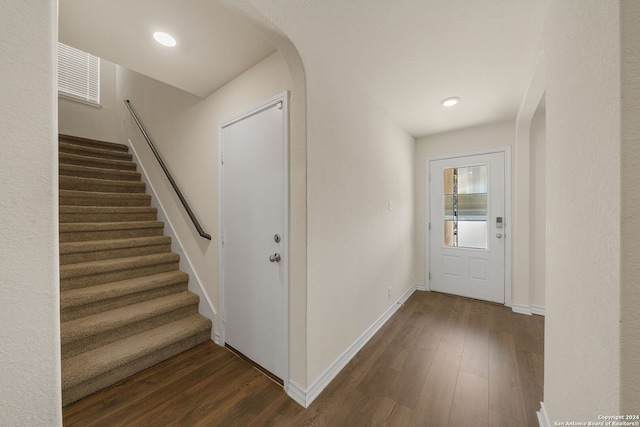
[(282, 98), (506, 150)]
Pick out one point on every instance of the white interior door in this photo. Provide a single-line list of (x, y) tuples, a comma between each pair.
[(253, 201), (467, 222)]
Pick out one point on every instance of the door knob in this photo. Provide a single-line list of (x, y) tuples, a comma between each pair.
[(275, 258), (499, 235)]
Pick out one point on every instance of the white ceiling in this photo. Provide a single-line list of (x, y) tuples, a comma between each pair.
[(214, 45), (406, 54)]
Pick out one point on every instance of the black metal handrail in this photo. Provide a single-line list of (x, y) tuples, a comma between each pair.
[(166, 172)]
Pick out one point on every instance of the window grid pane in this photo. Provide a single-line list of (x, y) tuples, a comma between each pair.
[(78, 74)]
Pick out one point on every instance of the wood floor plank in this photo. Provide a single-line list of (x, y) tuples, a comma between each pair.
[(475, 354), (470, 402), (439, 361), (505, 391), (382, 413), (498, 420), (531, 377), (401, 416), (434, 404), (407, 386)]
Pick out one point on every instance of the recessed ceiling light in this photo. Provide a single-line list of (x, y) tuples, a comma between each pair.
[(164, 39), (450, 102)]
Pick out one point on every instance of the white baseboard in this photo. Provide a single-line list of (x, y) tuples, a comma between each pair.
[(421, 287), (543, 417), (521, 309), (306, 397), (528, 309), (298, 394), (537, 309), (205, 306)]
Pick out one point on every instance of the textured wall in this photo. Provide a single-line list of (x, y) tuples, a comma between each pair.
[(89, 121), (630, 250), (582, 334), (29, 287)]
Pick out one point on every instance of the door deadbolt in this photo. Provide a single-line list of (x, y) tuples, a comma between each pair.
[(275, 258), (277, 238)]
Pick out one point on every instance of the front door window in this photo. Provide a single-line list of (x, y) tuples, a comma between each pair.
[(465, 207)]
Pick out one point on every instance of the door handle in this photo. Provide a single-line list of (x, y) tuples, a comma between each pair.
[(275, 258), (499, 235)]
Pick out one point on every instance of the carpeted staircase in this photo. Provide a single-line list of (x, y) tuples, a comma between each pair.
[(124, 303)]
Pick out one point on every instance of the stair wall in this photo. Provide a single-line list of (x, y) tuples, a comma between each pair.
[(206, 306)]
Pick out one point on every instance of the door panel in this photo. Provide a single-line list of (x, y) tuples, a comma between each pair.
[(467, 209), (252, 215)]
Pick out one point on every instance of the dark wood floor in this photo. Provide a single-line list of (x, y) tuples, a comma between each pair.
[(439, 361)]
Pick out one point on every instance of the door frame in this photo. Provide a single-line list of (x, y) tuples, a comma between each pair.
[(282, 99), (506, 150)]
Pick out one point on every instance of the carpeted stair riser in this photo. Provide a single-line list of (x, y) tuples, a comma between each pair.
[(81, 231), (125, 305), (88, 198), (84, 142), (85, 334), (98, 173), (95, 162), (74, 276), (107, 213), (89, 372), (75, 252), (70, 148), (100, 185), (82, 302)]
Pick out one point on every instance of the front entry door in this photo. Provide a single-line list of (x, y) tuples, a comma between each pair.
[(253, 256), (467, 222)]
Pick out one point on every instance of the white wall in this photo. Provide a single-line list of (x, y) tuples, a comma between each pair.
[(29, 286), (89, 121), (459, 141), (358, 161), (583, 259), (538, 206)]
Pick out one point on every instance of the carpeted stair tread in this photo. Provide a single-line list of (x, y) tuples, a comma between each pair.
[(91, 371), (93, 267), (80, 160), (100, 185), (100, 329), (82, 231), (85, 301), (92, 198), (106, 213), (95, 250), (74, 276), (95, 172), (92, 143), (83, 150)]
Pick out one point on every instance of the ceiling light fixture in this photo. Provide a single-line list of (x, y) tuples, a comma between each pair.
[(164, 39), (450, 102)]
